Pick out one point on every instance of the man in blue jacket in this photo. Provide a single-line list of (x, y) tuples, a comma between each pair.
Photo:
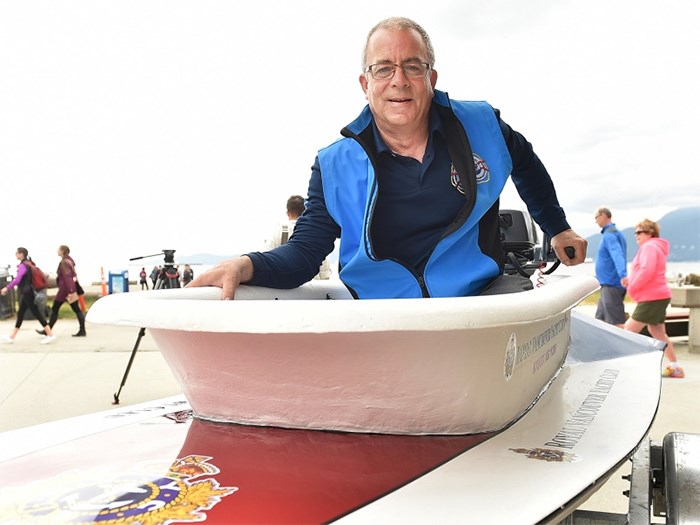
[(411, 189), (610, 269)]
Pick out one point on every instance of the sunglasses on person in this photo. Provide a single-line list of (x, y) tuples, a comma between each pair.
[(639, 232)]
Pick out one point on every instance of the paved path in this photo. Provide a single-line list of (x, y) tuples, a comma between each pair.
[(75, 375)]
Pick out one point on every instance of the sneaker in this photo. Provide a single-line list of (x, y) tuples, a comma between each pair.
[(46, 340), (41, 332), (7, 339), (81, 333), (673, 372)]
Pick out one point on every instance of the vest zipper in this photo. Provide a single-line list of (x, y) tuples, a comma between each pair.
[(423, 287)]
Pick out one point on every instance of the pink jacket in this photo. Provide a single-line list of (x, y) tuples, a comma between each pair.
[(647, 275)]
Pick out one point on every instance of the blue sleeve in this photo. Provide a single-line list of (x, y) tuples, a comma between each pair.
[(298, 261), (533, 183), (612, 243)]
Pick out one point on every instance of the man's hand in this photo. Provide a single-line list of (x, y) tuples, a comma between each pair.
[(569, 239), (227, 275)]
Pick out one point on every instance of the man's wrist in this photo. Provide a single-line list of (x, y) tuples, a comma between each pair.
[(246, 268)]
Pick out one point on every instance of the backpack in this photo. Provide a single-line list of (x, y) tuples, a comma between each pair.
[(37, 276)]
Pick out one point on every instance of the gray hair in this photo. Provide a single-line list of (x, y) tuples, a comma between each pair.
[(604, 211), (399, 23)]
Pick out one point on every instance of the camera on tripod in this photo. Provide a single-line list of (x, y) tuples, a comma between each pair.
[(168, 277)]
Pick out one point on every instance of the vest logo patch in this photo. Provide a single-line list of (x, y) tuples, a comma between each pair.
[(483, 174), (482, 170), (455, 179)]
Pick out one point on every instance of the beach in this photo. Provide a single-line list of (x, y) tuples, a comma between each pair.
[(79, 375)]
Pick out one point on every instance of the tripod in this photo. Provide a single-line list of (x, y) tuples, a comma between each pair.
[(168, 277)]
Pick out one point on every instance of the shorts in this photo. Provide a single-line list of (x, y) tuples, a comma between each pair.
[(611, 306), (651, 312)]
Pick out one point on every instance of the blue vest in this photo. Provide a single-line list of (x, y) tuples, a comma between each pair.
[(458, 265)]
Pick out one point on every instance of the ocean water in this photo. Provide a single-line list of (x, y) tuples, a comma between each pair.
[(674, 270)]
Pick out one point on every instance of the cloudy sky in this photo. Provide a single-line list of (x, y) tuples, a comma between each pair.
[(134, 126)]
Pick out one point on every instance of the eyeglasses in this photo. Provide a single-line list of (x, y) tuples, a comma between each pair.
[(386, 71), (639, 232)]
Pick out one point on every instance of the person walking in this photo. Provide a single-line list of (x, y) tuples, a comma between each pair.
[(155, 273), (610, 269), (66, 280), (647, 285), (187, 275), (143, 279), (411, 189), (23, 283)]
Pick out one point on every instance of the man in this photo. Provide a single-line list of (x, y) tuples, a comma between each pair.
[(295, 207), (610, 269), (411, 189)]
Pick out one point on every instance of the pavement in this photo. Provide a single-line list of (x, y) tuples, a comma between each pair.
[(78, 375)]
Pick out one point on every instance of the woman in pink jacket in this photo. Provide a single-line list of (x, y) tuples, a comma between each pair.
[(646, 285)]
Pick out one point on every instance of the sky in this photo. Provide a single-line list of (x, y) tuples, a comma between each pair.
[(131, 127)]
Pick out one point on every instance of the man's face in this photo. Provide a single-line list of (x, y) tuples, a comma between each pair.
[(601, 219), (400, 103)]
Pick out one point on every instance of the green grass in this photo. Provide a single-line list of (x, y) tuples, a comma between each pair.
[(67, 313), (595, 296), (592, 299)]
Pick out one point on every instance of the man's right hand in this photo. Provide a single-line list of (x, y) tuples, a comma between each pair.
[(227, 275)]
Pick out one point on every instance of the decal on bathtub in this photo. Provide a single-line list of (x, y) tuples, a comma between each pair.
[(547, 454), (534, 345), (511, 357)]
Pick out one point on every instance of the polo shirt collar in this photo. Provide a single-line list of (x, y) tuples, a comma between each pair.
[(434, 125)]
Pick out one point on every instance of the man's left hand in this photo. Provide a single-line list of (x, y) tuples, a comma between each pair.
[(569, 238)]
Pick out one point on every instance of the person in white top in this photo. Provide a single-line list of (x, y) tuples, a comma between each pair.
[(295, 207)]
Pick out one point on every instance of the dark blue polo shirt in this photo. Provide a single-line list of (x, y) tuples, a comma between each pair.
[(416, 202)]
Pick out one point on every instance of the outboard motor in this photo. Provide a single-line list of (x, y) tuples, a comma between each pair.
[(520, 244)]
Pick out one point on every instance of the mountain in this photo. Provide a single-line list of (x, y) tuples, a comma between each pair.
[(207, 259), (680, 227)]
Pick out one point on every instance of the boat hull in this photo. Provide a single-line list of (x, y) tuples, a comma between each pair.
[(412, 366)]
